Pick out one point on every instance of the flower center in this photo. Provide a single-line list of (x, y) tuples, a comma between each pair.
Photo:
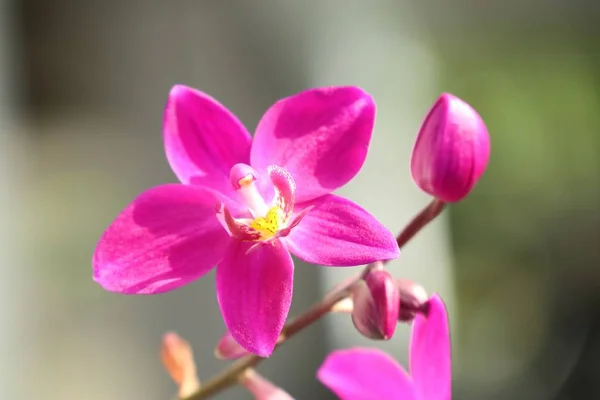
[(270, 224), (266, 222)]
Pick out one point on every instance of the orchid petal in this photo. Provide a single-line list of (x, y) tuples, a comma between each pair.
[(430, 360), (203, 139), (255, 292), (340, 232), (167, 237), (321, 136), (365, 374)]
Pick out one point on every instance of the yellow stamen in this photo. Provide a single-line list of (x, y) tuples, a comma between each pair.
[(270, 224)]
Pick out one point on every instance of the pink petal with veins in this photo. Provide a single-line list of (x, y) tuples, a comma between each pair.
[(338, 232), (365, 374), (166, 238), (203, 139), (430, 358), (254, 290), (320, 136)]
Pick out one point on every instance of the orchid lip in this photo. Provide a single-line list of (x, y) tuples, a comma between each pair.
[(263, 222)]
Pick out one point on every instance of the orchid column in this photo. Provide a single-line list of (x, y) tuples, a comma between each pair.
[(400, 73)]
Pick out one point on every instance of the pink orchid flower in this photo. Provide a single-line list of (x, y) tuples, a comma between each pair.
[(245, 204), (370, 374), (452, 150)]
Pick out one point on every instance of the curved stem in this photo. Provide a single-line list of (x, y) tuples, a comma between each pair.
[(428, 214), (229, 376)]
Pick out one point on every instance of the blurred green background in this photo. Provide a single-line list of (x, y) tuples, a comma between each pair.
[(526, 240), (82, 88)]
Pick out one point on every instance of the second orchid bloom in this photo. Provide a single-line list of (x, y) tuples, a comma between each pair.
[(370, 374), (243, 205)]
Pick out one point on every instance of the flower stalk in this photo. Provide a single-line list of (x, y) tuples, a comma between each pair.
[(427, 215), (230, 375)]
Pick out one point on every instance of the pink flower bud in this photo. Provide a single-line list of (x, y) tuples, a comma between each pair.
[(376, 305), (413, 299), (228, 348), (261, 388), (178, 359), (451, 151)]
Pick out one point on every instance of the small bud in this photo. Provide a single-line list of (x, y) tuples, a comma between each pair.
[(376, 305), (413, 299), (229, 349), (178, 360), (261, 388), (451, 151)]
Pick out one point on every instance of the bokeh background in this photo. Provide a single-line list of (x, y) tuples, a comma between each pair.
[(82, 88)]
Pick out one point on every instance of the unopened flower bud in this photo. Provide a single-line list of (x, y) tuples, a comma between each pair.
[(413, 299), (261, 388), (178, 360), (229, 349), (376, 305), (451, 151)]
